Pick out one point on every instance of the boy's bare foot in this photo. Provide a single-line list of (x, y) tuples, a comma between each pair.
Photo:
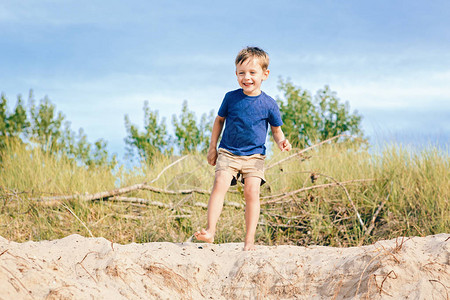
[(204, 236), (249, 247)]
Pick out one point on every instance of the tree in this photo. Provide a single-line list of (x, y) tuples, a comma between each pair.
[(153, 141), (46, 125), (41, 126), (310, 119), (18, 123), (190, 136), (13, 125)]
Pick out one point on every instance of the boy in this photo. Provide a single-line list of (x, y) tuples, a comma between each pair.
[(247, 112)]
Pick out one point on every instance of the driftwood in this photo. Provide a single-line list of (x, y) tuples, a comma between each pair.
[(118, 192), (303, 151), (281, 198), (169, 206), (123, 190), (335, 183), (169, 166), (281, 225)]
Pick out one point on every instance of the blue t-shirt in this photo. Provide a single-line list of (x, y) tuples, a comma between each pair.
[(246, 122)]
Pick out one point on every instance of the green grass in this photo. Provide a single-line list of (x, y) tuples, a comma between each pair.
[(414, 187)]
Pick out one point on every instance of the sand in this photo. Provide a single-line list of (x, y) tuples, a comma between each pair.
[(76, 267)]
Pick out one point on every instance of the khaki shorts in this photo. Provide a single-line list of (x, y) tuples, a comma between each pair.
[(247, 166)]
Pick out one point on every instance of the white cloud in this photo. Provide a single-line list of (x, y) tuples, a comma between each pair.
[(374, 80)]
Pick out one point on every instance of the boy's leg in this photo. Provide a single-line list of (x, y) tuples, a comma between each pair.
[(222, 182), (252, 210)]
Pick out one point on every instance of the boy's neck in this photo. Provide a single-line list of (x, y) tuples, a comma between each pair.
[(254, 94)]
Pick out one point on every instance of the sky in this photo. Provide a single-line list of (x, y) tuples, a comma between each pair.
[(98, 61)]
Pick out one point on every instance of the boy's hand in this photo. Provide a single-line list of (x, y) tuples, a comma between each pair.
[(212, 156), (284, 145)]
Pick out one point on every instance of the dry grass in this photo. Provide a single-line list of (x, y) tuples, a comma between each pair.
[(394, 192)]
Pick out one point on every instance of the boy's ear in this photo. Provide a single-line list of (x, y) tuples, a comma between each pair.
[(266, 74)]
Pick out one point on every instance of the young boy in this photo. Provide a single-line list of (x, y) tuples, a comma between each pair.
[(246, 113)]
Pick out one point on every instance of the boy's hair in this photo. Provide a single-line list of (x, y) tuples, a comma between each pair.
[(253, 52)]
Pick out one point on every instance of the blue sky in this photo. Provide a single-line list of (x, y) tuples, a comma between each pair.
[(100, 60)]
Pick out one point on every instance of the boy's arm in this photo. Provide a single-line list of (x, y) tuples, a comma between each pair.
[(215, 133), (280, 139)]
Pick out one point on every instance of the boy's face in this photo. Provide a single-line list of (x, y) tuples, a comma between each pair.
[(250, 75)]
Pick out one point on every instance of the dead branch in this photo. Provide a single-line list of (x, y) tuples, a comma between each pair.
[(173, 192), (282, 196), (124, 190), (304, 150), (148, 202), (372, 222), (201, 204), (284, 216), (181, 202), (117, 192), (349, 199), (132, 217), (234, 204), (90, 197), (167, 167), (180, 216), (281, 225), (169, 206), (138, 200)]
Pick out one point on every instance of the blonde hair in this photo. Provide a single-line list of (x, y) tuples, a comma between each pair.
[(253, 52)]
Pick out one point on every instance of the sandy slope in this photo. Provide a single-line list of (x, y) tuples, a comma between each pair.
[(93, 268)]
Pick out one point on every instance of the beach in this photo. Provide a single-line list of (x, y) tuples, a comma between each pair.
[(77, 267)]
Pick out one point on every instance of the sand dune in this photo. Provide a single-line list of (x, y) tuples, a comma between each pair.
[(94, 268)]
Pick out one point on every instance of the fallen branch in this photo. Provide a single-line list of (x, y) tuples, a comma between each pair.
[(374, 217), (281, 225), (226, 203), (169, 206), (167, 167), (117, 192), (201, 204), (173, 192), (90, 197), (121, 191), (372, 222), (349, 199), (282, 196), (304, 150), (180, 216), (147, 202), (138, 200)]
